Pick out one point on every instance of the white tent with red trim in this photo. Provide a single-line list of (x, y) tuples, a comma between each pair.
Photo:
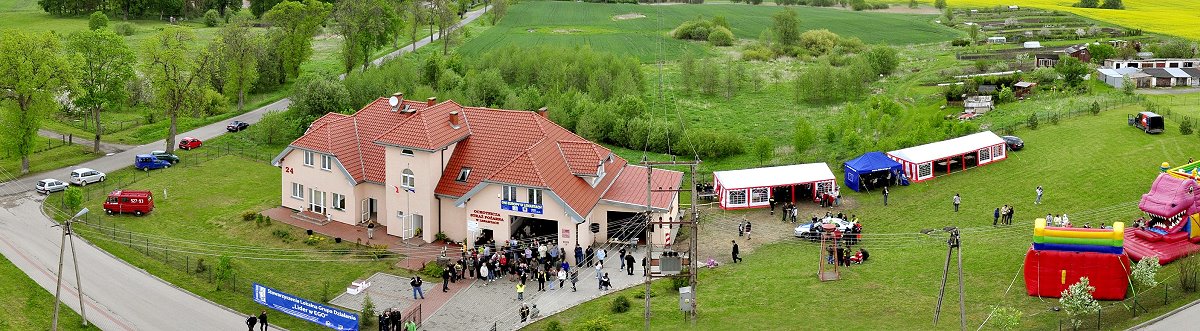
[(948, 156), (753, 188)]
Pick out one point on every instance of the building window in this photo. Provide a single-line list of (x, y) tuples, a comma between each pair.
[(462, 174), (924, 170), (339, 202), (297, 191), (316, 201), (408, 152), (535, 196), (758, 195), (308, 158), (985, 154), (737, 197), (510, 193), (409, 180), (326, 162)]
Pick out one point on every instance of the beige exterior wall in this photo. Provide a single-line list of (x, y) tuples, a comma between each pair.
[(427, 170), (314, 178)]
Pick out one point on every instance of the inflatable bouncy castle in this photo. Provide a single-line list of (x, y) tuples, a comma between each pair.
[(1173, 226), (1060, 256)]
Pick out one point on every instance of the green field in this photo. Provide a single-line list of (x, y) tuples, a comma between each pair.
[(200, 216), (571, 23), (27, 305), (51, 154), (1095, 179)]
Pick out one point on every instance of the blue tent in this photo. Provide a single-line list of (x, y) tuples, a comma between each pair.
[(872, 165)]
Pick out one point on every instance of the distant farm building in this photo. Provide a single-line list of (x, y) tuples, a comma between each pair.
[(1151, 63), (997, 40), (1171, 77), (1116, 77), (1079, 52)]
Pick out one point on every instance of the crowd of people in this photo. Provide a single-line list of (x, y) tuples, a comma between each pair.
[(1003, 216)]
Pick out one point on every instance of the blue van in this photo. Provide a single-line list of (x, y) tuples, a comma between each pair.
[(147, 162)]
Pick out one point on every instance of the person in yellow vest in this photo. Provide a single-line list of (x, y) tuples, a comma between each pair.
[(520, 292)]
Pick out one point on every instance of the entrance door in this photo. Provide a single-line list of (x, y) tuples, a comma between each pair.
[(366, 211), (316, 201), (411, 224), (417, 223)]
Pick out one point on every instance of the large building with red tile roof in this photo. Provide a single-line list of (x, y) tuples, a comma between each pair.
[(474, 174)]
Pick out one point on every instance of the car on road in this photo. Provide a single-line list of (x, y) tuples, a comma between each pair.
[(1147, 121), (809, 231), (48, 185), (163, 155), (148, 162), (236, 126), (1013, 143), (84, 176), (189, 143)]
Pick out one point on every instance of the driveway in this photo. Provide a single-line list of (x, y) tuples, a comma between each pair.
[(119, 296)]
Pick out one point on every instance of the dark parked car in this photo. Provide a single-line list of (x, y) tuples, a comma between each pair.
[(1147, 121), (163, 155), (1014, 143), (236, 126)]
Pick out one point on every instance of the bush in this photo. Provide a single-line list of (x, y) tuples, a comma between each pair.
[(818, 42), (642, 294), (757, 52), (601, 323), (1054, 119), (553, 325), (282, 234), (249, 216), (212, 18), (960, 42), (1032, 122), (620, 304), (696, 29), (1185, 126), (368, 311), (681, 280), (1005, 95), (432, 270), (125, 29), (313, 240), (200, 266), (1189, 270), (1094, 108), (720, 36), (97, 21), (440, 236)]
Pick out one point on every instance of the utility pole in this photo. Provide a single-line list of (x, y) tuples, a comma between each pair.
[(62, 248), (693, 224), (954, 244)]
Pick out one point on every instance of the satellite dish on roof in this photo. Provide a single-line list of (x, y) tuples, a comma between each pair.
[(393, 101)]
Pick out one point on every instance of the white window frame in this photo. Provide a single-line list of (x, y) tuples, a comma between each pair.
[(759, 195), (924, 170), (339, 202), (510, 193), (736, 197), (297, 191), (326, 161), (408, 179), (308, 158), (317, 199), (535, 196), (407, 152)]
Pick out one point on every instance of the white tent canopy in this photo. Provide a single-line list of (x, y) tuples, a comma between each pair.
[(774, 176), (948, 148)]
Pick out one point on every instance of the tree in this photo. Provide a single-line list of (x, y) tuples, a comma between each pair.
[(1087, 3), (1113, 4), (1144, 276), (763, 150), (274, 127), (939, 4), (224, 272), (239, 51), (316, 96), (299, 22), (1071, 69), (974, 33), (1006, 318), (687, 72), (97, 21), (368, 311), (804, 137), (446, 16), (819, 42), (177, 71), (365, 26), (883, 59), (1078, 302), (785, 28), (106, 67), (1128, 86), (73, 198), (912, 4), (259, 7), (33, 70), (1101, 52), (499, 9), (416, 14)]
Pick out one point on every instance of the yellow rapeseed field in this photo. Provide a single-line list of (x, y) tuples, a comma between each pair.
[(1173, 17)]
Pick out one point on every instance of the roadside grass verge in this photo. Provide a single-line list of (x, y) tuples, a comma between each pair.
[(29, 306), (51, 154)]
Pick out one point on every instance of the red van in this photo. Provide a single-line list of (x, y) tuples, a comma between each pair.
[(136, 202)]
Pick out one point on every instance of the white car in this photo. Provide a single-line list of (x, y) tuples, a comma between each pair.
[(807, 231), (84, 176), (48, 185)]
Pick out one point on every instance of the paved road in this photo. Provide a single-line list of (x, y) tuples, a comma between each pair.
[(119, 296), (1184, 318)]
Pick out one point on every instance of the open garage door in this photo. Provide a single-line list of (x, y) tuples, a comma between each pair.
[(625, 226)]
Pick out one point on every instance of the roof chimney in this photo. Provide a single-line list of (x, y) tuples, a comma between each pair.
[(431, 101), (455, 120), (395, 101), (542, 112)]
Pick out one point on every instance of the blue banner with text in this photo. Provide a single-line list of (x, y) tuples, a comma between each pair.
[(304, 309)]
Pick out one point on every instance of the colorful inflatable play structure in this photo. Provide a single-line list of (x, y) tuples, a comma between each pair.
[(1060, 256), (1173, 210), (1187, 171)]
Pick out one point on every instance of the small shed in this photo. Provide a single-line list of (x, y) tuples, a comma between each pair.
[(1021, 89), (978, 104), (1169, 77), (997, 40), (949, 156), (1079, 52), (1032, 44), (1116, 77), (753, 188), (1045, 60)]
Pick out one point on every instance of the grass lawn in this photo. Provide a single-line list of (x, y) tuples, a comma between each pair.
[(28, 306), (28, 16), (570, 23), (57, 156), (1092, 167), (1166, 17), (200, 216)]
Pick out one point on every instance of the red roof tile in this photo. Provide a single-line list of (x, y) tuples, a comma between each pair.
[(582, 157), (348, 137), (630, 187)]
